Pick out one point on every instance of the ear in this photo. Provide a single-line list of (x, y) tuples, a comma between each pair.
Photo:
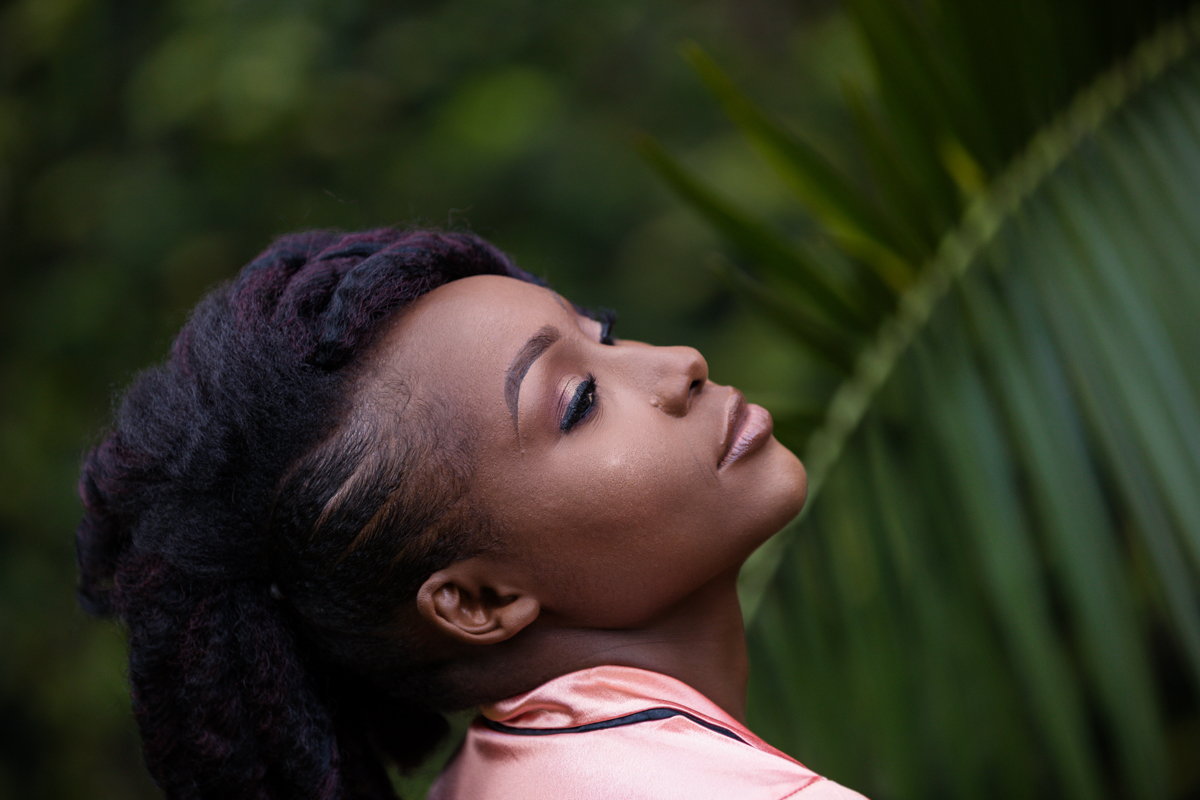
[(467, 602)]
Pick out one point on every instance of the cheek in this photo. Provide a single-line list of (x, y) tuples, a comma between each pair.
[(639, 485), (609, 503)]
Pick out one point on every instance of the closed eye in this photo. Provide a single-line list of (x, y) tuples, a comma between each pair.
[(605, 316), (583, 401)]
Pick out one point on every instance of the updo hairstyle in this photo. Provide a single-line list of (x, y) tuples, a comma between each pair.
[(262, 537)]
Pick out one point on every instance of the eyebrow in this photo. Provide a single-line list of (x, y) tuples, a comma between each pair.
[(530, 352)]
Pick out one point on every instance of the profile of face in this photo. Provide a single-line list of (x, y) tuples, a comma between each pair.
[(621, 478)]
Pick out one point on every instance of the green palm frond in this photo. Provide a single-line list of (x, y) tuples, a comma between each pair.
[(995, 589)]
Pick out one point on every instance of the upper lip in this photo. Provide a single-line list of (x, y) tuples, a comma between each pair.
[(735, 416)]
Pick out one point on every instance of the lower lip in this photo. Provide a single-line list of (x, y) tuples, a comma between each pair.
[(756, 429)]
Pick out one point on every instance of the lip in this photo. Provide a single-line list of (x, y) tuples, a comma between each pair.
[(747, 428)]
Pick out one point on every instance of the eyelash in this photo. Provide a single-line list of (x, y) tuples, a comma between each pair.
[(608, 320), (582, 403)]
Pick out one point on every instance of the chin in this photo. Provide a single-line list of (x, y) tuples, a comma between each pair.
[(786, 490), (796, 478)]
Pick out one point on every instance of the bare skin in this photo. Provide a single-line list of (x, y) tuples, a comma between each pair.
[(700, 642), (629, 487)]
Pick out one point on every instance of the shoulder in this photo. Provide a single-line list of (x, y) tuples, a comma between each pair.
[(661, 755)]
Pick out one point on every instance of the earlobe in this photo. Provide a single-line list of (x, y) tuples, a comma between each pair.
[(462, 603)]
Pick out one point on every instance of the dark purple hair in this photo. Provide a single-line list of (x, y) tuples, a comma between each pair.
[(263, 544)]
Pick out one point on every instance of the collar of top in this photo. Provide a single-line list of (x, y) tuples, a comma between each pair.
[(604, 693)]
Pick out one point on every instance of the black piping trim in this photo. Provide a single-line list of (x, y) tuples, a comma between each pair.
[(649, 715)]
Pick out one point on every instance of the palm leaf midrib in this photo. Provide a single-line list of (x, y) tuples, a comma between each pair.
[(958, 250)]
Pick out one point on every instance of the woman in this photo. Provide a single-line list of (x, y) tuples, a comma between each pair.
[(389, 473)]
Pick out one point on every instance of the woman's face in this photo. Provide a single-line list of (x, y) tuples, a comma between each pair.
[(621, 478)]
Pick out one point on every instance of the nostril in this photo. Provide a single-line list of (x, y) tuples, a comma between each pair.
[(695, 385)]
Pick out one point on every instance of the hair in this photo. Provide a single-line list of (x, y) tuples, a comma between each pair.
[(262, 536)]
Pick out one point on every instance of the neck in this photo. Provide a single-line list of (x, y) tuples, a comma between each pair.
[(699, 641)]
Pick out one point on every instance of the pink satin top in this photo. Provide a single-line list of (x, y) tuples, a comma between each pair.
[(618, 732)]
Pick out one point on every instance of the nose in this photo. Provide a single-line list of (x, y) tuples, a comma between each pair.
[(681, 375)]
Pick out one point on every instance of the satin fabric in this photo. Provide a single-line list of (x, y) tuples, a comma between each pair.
[(675, 757)]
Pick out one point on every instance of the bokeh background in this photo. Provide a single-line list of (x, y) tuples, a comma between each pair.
[(149, 149), (955, 256)]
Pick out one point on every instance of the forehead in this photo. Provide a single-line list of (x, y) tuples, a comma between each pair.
[(456, 343), (483, 313)]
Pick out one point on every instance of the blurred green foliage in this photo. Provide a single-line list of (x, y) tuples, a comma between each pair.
[(995, 588), (148, 149)]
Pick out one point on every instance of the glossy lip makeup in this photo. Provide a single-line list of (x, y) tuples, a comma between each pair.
[(747, 427)]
